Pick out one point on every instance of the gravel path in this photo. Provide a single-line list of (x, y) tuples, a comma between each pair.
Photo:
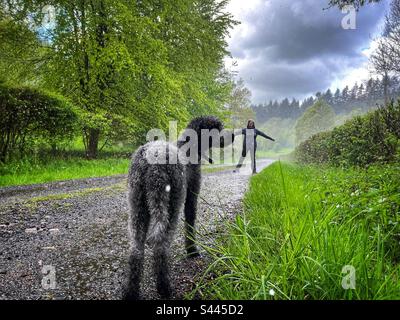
[(68, 240)]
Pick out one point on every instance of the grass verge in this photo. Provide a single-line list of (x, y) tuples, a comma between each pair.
[(28, 172), (301, 227), (269, 154), (31, 172)]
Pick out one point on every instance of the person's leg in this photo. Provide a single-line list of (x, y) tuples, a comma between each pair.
[(253, 160), (241, 160)]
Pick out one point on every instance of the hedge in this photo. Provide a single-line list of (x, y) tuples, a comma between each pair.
[(363, 140), (30, 116)]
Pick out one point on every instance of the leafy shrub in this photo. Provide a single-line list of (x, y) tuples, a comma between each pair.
[(30, 116), (360, 141)]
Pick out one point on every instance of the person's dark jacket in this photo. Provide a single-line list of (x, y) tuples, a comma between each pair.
[(251, 132)]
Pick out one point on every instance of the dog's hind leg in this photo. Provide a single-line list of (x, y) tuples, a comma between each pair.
[(161, 267), (167, 207), (139, 223)]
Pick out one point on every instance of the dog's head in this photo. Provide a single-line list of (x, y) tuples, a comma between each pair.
[(206, 123), (212, 129), (201, 134)]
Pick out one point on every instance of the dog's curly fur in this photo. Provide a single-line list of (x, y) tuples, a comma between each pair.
[(157, 194)]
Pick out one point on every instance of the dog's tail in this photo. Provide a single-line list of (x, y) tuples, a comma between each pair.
[(159, 217)]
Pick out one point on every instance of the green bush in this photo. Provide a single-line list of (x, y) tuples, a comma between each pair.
[(360, 141), (30, 117)]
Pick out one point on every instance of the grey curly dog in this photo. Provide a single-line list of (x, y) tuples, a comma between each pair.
[(157, 194)]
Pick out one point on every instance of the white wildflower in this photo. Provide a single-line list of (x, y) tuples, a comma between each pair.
[(271, 292)]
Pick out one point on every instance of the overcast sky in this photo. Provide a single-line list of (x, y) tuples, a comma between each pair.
[(295, 48)]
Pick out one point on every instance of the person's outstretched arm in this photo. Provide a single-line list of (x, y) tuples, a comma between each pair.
[(262, 134), (238, 132)]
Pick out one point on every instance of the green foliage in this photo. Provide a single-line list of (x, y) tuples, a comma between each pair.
[(130, 66), (239, 105), (356, 3), (19, 52), (360, 141), (317, 118), (30, 116), (301, 226), (343, 117)]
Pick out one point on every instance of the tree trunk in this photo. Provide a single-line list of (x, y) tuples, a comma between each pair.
[(101, 30), (53, 149), (385, 88), (93, 143), (4, 146)]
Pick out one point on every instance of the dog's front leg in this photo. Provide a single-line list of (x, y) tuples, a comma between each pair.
[(190, 218)]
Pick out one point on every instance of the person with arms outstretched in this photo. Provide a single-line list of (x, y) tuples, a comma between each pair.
[(250, 143)]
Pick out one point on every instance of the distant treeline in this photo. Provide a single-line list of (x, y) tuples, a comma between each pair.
[(364, 97)]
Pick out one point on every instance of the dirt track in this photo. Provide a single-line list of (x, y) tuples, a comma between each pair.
[(78, 229)]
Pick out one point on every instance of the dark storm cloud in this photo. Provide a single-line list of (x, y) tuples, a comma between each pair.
[(294, 47)]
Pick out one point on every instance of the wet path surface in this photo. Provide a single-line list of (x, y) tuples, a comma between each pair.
[(68, 240)]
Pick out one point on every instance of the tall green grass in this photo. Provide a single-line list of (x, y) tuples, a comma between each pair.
[(300, 227)]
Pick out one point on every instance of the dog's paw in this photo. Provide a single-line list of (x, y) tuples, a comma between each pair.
[(130, 295)]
